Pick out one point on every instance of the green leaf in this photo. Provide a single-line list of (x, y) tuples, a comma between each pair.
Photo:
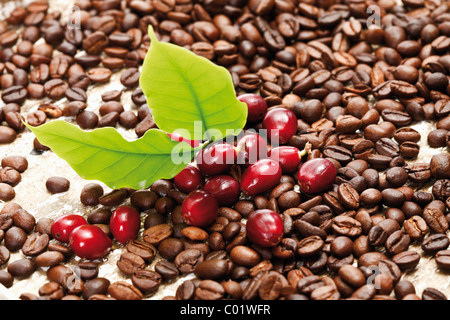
[(104, 155), (189, 92)]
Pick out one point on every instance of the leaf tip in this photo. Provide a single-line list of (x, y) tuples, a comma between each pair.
[(151, 33)]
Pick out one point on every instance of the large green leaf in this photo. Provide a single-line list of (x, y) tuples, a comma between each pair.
[(189, 92), (104, 155)]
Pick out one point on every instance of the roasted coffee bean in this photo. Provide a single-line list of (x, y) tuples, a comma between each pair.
[(15, 237), (433, 294), (155, 234), (130, 77), (393, 197), (310, 246), (87, 119), (4, 255), (76, 94), (10, 176), (434, 216), (348, 196), (435, 243), (347, 226), (122, 290), (57, 184), (418, 172), (7, 192), (14, 94), (35, 244), (17, 162), (91, 193), (99, 75), (396, 176), (49, 259), (416, 227), (146, 280), (95, 43), (397, 242), (113, 198), (187, 260), (22, 268), (211, 269), (95, 286), (143, 249), (55, 89), (440, 166), (166, 269), (129, 263)]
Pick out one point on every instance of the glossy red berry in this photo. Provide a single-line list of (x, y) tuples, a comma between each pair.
[(265, 228), (63, 226), (288, 157), (125, 223), (257, 106), (189, 179), (316, 175), (224, 188), (251, 148), (89, 242), (281, 125), (216, 159), (199, 208), (261, 176)]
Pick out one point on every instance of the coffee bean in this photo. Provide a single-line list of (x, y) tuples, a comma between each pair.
[(14, 94), (143, 249), (95, 43), (57, 184), (24, 220), (435, 242), (188, 259), (113, 198), (416, 227), (122, 290), (154, 235), (88, 270), (99, 75), (434, 216), (347, 226), (397, 242), (22, 268), (95, 286), (348, 196), (146, 280), (129, 263), (4, 255), (91, 193), (130, 77), (49, 259), (35, 244), (211, 269), (433, 294)]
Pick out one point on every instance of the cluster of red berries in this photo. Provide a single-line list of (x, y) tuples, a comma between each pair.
[(262, 167)]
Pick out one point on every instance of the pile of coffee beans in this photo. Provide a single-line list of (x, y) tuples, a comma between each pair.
[(355, 73), (11, 171)]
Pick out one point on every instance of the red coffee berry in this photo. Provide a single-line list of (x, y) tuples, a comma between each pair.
[(265, 228), (316, 175), (199, 208), (261, 176)]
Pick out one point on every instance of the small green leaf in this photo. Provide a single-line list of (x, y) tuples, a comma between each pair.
[(189, 92), (104, 155)]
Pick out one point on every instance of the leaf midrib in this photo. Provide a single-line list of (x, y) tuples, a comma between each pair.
[(191, 89), (57, 136)]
